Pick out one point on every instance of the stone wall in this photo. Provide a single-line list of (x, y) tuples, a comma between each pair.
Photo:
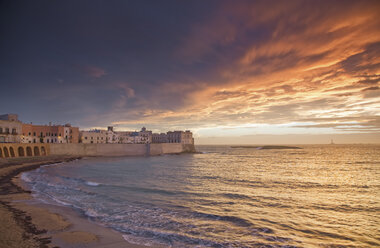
[(15, 150), (9, 150), (116, 149), (188, 148)]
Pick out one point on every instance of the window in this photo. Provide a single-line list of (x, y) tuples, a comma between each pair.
[(1, 130), (14, 131), (6, 130), (85, 137), (59, 134), (41, 134)]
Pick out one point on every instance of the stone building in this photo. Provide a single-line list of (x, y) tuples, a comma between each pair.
[(183, 137), (49, 133), (159, 138), (112, 137), (93, 136), (146, 136), (10, 128)]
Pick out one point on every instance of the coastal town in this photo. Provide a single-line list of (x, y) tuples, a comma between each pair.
[(45, 139), (12, 130)]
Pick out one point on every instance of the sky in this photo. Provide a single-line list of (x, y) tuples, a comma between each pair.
[(233, 72)]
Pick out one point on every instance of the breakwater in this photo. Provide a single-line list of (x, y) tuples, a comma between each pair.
[(9, 150)]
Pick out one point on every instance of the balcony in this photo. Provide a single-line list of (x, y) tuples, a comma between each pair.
[(8, 133)]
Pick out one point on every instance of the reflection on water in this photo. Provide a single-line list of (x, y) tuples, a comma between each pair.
[(228, 197)]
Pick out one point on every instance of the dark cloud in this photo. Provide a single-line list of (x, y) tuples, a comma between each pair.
[(93, 71), (371, 88), (190, 63)]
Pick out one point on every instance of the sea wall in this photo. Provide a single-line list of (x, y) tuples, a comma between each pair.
[(15, 150), (117, 149), (9, 150)]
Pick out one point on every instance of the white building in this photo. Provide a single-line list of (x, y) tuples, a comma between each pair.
[(112, 137)]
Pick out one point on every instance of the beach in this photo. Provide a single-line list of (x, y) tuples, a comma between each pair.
[(26, 222)]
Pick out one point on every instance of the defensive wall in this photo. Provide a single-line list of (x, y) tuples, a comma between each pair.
[(15, 150), (8, 150)]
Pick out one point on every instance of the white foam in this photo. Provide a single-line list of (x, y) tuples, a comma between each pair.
[(59, 201), (25, 178), (92, 183), (91, 213), (138, 241)]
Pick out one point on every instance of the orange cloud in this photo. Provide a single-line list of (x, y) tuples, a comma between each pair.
[(292, 62)]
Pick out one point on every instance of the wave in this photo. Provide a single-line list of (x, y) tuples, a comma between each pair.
[(232, 219), (25, 177), (89, 183), (236, 196)]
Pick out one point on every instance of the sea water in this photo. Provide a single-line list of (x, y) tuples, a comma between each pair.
[(318, 196)]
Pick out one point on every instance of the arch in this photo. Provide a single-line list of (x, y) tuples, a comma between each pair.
[(29, 151), (6, 153), (12, 152), (43, 151), (1, 153), (36, 151), (21, 152)]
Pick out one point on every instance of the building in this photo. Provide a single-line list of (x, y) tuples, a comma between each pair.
[(159, 138), (93, 137), (10, 129), (180, 137), (14, 131), (146, 136), (49, 133), (128, 137), (112, 137), (174, 137)]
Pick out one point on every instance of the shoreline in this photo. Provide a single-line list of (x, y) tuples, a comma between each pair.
[(28, 222)]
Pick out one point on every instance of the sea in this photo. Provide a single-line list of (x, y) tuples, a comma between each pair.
[(317, 196)]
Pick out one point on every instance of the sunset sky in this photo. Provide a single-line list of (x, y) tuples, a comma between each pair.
[(230, 71)]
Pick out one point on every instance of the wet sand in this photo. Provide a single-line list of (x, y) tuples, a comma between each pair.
[(26, 222)]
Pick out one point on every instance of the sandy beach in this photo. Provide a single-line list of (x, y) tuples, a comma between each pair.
[(26, 222)]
